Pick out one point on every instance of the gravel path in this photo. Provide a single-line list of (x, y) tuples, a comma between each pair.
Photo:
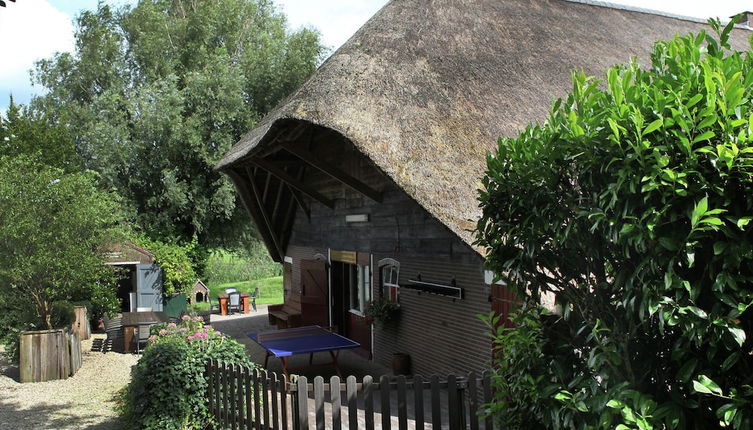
[(84, 401)]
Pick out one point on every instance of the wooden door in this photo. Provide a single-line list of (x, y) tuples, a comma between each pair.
[(149, 287), (314, 297)]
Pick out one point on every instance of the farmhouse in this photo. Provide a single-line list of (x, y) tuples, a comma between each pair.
[(364, 181)]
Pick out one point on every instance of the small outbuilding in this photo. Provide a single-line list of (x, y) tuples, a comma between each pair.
[(200, 293), (141, 285)]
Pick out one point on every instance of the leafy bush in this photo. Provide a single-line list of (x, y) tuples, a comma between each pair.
[(168, 386), (200, 307), (382, 310), (631, 206), (63, 314), (175, 260)]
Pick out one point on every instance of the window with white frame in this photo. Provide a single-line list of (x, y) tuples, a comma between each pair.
[(389, 271), (360, 290)]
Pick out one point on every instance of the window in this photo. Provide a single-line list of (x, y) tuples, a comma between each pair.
[(360, 290), (390, 278)]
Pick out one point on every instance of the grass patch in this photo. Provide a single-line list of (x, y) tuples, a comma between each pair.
[(270, 289)]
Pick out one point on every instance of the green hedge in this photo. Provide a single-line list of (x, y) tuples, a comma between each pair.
[(168, 386), (631, 206)]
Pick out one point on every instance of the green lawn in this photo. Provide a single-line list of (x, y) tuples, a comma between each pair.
[(270, 289)]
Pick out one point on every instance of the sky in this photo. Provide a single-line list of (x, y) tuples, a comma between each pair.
[(35, 29)]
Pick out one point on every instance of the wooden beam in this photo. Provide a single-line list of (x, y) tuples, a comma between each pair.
[(287, 227), (334, 172), (293, 182), (263, 209), (245, 194)]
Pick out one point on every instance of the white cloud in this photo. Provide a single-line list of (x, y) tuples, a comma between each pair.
[(29, 31), (722, 9), (337, 20)]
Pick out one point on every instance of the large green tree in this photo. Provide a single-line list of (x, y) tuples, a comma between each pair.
[(632, 205), (54, 229), (154, 95)]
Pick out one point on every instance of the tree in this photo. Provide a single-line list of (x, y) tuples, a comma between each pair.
[(156, 94), (30, 134), (54, 225), (632, 206)]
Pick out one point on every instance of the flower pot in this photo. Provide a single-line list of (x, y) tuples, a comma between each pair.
[(401, 363)]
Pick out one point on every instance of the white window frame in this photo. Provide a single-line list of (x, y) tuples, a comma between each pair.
[(363, 290), (394, 278)]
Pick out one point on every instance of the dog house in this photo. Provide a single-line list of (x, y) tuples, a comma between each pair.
[(200, 293)]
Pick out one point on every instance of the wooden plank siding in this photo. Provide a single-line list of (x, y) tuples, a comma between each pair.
[(401, 229)]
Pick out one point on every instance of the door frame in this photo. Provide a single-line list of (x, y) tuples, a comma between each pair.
[(349, 257)]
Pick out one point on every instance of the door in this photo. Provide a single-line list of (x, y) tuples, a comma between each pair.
[(149, 287), (314, 297)]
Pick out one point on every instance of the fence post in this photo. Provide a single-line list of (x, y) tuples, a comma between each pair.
[(402, 407), (334, 398), (384, 391), (368, 400), (418, 405), (303, 403), (473, 401)]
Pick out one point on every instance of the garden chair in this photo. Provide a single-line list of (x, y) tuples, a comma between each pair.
[(252, 298), (142, 335), (234, 302), (114, 331), (214, 305), (229, 290)]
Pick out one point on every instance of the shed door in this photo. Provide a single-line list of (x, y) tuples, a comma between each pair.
[(149, 287), (314, 293)]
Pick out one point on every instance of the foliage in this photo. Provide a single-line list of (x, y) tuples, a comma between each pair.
[(224, 266), (178, 271), (632, 206), (382, 310), (54, 224), (270, 289), (25, 133), (199, 307), (168, 385), (155, 94)]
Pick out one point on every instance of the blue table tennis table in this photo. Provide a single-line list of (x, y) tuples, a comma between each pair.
[(286, 343)]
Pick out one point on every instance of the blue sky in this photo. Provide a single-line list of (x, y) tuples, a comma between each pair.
[(34, 29)]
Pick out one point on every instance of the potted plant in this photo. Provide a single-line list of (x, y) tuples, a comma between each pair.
[(200, 309), (381, 311)]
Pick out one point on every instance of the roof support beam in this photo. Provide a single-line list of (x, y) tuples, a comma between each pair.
[(268, 222), (248, 200), (334, 172), (293, 182)]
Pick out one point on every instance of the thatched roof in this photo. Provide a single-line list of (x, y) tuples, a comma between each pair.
[(425, 88)]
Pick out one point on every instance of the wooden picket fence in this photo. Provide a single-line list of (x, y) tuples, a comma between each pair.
[(243, 398)]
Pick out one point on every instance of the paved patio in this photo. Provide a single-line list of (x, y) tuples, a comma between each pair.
[(238, 325)]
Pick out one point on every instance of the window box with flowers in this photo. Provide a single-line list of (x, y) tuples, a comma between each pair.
[(382, 311)]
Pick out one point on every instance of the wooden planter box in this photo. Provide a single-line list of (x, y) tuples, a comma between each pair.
[(48, 355), (82, 325)]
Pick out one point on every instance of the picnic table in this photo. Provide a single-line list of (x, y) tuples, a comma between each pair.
[(132, 320), (245, 299), (283, 344)]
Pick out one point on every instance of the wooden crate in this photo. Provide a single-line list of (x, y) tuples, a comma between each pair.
[(47, 355), (82, 325)]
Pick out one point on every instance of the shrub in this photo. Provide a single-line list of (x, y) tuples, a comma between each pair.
[(168, 386), (632, 206), (382, 310), (176, 262)]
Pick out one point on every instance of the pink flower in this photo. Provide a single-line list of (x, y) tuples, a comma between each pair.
[(171, 325), (190, 338), (162, 332), (152, 338), (186, 318), (198, 319), (182, 330)]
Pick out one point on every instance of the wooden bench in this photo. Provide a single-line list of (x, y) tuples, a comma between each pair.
[(288, 314)]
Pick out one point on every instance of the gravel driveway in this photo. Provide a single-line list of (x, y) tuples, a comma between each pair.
[(84, 401)]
